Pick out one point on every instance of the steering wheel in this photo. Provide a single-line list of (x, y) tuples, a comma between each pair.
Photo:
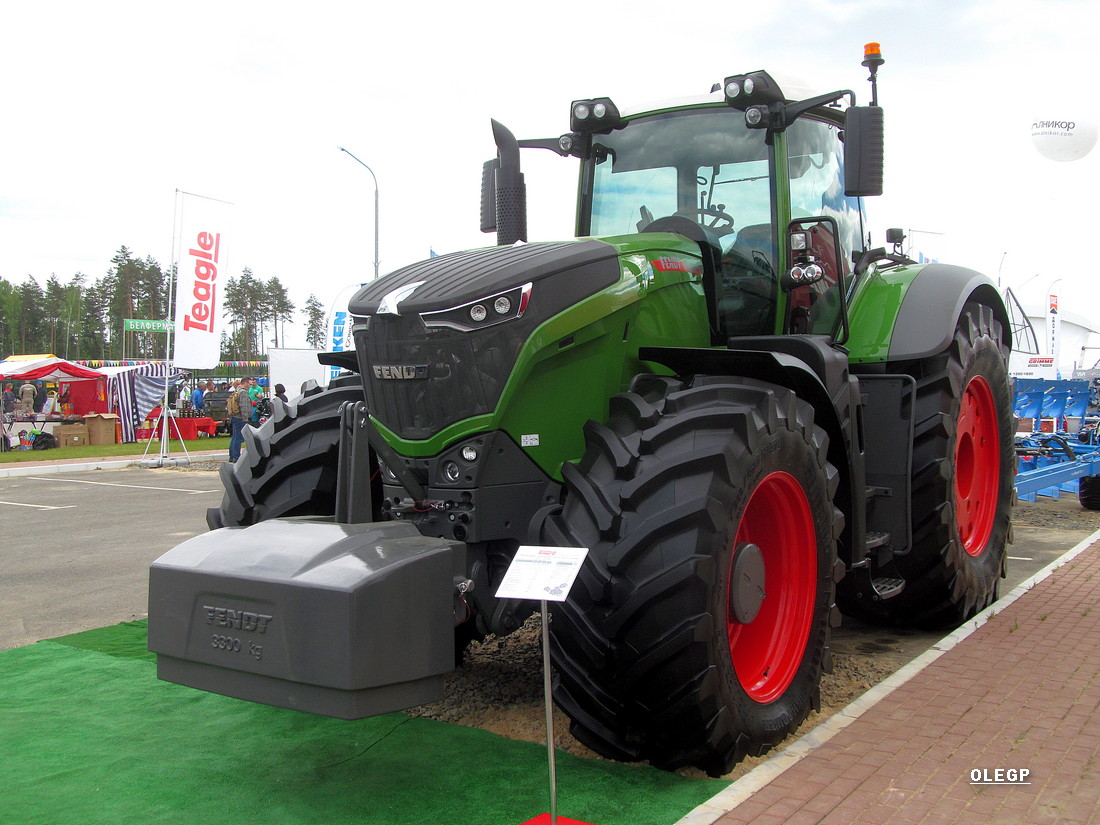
[(716, 220), (720, 221)]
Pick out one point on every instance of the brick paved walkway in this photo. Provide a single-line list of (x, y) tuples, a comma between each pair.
[(1022, 691)]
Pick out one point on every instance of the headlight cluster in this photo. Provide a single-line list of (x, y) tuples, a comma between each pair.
[(807, 274), (753, 94), (484, 312), (756, 88), (806, 270), (593, 115)]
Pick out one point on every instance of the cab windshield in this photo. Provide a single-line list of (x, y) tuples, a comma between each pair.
[(701, 165), (704, 166)]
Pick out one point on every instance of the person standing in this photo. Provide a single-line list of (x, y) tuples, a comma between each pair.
[(257, 394), (239, 418), (197, 396), (26, 397), (9, 399)]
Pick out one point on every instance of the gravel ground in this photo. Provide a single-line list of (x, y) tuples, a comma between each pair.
[(499, 687)]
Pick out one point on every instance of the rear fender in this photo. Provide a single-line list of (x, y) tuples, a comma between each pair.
[(910, 312)]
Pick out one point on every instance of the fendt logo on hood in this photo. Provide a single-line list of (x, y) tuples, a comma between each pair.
[(401, 372)]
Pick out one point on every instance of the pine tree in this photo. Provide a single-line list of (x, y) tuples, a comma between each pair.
[(278, 304), (315, 323), (33, 329), (11, 311)]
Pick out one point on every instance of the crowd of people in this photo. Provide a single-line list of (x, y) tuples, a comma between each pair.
[(247, 405), (32, 398), (251, 402)]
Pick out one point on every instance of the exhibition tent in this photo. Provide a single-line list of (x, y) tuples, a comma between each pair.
[(133, 391), (44, 368)]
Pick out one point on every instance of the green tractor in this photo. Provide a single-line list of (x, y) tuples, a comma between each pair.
[(747, 414)]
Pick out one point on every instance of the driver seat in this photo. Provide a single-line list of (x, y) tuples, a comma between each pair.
[(710, 251)]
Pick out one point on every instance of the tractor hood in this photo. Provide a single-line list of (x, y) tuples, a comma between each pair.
[(579, 269), (437, 340)]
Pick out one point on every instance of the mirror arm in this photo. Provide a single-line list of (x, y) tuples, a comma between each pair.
[(792, 111)]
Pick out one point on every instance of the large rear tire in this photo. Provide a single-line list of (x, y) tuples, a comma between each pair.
[(290, 461), (694, 499), (962, 486)]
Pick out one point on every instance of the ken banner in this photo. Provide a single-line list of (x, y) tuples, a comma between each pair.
[(202, 262)]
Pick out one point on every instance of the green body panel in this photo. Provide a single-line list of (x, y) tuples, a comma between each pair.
[(873, 312), (575, 361)]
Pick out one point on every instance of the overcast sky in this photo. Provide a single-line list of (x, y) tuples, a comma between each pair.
[(110, 108)]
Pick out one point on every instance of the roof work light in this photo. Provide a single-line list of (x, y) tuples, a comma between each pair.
[(594, 115)]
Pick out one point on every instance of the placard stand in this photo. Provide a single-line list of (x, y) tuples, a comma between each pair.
[(163, 459), (546, 574)]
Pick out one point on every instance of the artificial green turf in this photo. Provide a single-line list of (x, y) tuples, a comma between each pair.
[(89, 735)]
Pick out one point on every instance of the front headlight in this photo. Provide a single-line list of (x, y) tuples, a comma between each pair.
[(473, 315)]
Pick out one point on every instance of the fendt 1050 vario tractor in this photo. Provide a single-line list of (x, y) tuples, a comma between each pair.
[(747, 414)]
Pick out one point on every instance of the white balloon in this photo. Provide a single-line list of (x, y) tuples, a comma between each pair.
[(1062, 138)]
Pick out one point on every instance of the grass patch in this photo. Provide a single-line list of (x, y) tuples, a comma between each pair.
[(109, 450)]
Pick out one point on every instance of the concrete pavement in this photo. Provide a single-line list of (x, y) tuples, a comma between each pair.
[(997, 723)]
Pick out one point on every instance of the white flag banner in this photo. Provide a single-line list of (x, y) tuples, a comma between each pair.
[(1054, 322), (200, 282)]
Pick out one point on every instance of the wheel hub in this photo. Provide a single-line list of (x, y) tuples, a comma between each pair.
[(747, 582), (977, 466), (767, 649)]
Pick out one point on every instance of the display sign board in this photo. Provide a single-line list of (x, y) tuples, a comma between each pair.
[(137, 325), (1028, 365), (542, 573)]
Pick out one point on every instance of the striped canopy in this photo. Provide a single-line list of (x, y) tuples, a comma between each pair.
[(45, 368)]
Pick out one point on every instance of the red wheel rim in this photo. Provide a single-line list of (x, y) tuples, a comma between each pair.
[(767, 652), (977, 466)]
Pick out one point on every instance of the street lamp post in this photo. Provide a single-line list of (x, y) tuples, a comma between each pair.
[(375, 178)]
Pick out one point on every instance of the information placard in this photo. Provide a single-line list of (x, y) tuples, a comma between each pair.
[(542, 573)]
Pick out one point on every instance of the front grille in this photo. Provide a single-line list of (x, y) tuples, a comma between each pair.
[(464, 373)]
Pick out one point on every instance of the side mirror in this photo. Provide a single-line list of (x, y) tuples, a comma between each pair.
[(863, 151)]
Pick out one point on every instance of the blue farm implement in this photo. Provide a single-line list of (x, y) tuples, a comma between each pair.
[(1051, 459)]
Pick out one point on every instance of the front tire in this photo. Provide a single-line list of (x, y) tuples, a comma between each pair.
[(290, 461), (662, 652)]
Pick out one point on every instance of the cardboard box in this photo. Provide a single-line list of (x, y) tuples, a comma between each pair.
[(71, 435), (101, 428)]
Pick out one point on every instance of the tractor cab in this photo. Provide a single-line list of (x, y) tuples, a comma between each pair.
[(768, 188)]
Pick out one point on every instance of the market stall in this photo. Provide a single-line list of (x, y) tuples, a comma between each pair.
[(37, 371), (184, 427), (132, 391)]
